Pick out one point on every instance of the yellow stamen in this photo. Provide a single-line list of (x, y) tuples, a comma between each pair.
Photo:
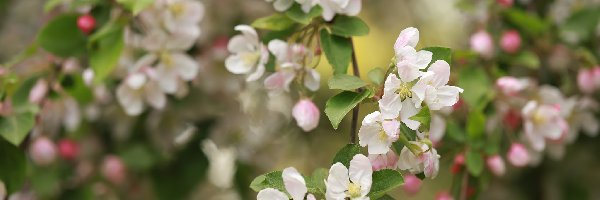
[(353, 190)]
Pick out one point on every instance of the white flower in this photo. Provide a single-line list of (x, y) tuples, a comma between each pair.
[(397, 101), (432, 87), (291, 60), (543, 122), (377, 133), (182, 16), (294, 184), (174, 68), (511, 86), (249, 55), (437, 129), (427, 161), (345, 7), (408, 60), (353, 183), (283, 5), (222, 167), (137, 89)]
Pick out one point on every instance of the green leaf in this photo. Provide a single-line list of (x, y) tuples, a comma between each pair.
[(51, 4), (581, 25), (275, 22), (339, 105), (526, 22), (136, 6), (295, 13), (474, 162), (268, 180), (12, 166), (440, 53), (376, 75), (15, 128), (138, 157), (384, 181), (397, 146), (348, 26), (346, 154), (455, 132), (345, 82), (316, 183), (62, 37), (20, 99), (424, 116), (475, 125), (386, 197), (475, 83), (75, 86), (106, 52), (338, 51), (526, 59)]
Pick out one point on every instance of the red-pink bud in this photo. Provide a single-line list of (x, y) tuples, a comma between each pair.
[(510, 41), (381, 161), (482, 43), (412, 184), (306, 114), (505, 3), (518, 155), (512, 119), (113, 169), (68, 149), (496, 165), (444, 195), (86, 23), (42, 151), (585, 80)]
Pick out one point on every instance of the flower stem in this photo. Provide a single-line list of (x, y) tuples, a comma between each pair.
[(356, 72)]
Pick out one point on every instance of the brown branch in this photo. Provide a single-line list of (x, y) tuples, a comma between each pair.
[(356, 72)]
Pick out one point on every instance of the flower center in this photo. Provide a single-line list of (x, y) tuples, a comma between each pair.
[(250, 58), (166, 59), (353, 190), (383, 136), (539, 118), (177, 9), (404, 91)]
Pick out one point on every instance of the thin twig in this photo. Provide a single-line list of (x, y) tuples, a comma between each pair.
[(356, 72)]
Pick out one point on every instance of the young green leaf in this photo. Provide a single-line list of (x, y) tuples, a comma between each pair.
[(295, 13), (268, 180), (348, 26), (316, 183), (345, 82), (386, 197), (474, 162), (135, 6), (440, 53), (12, 166), (581, 25), (475, 83), (275, 22), (376, 75), (526, 59), (61, 37), (455, 132), (338, 51), (475, 125), (339, 105), (346, 154), (397, 146), (424, 116), (526, 22), (15, 128), (106, 53), (384, 181)]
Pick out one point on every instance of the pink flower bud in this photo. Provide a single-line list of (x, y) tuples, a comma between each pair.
[(412, 184), (482, 43), (306, 114), (496, 165), (88, 76), (86, 23), (505, 3), (443, 196), (68, 149), (380, 161), (458, 163), (518, 155), (38, 92), (510, 41), (42, 151), (585, 80), (512, 119), (511, 86), (113, 169)]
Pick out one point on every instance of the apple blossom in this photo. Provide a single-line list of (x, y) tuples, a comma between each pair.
[(496, 165), (306, 114), (353, 182), (412, 184), (294, 184), (181, 16), (383, 161), (378, 133), (586, 80), (398, 101), (249, 55), (432, 87), (510, 41), (283, 5), (39, 91), (518, 155), (437, 128), (427, 161), (221, 170), (113, 169), (408, 60), (86, 23), (482, 43), (68, 149), (291, 60), (542, 122), (138, 89), (42, 151), (344, 7), (511, 86), (173, 68)]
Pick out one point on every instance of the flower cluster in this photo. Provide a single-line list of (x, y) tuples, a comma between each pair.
[(330, 7), (402, 99)]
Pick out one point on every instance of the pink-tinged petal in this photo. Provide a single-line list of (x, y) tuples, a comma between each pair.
[(585, 80), (518, 155), (39, 91), (447, 96), (279, 80), (279, 49), (294, 183), (390, 105), (391, 128), (408, 37), (441, 70), (312, 80), (408, 72), (437, 129), (496, 165), (310, 197), (338, 180), (482, 43), (536, 140), (361, 172), (260, 70), (271, 194), (412, 184), (423, 58), (306, 114), (431, 164)]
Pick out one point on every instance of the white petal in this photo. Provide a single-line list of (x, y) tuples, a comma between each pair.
[(447, 96), (423, 58), (361, 173), (239, 44), (353, 7), (437, 129), (145, 61), (282, 5), (154, 96), (337, 181), (186, 66), (279, 49), (136, 80), (260, 70), (441, 71), (294, 183), (167, 80), (235, 64), (408, 37), (409, 110), (367, 133), (130, 100), (312, 79), (248, 31), (328, 12), (279, 80), (408, 72), (390, 105), (271, 194), (310, 197)]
